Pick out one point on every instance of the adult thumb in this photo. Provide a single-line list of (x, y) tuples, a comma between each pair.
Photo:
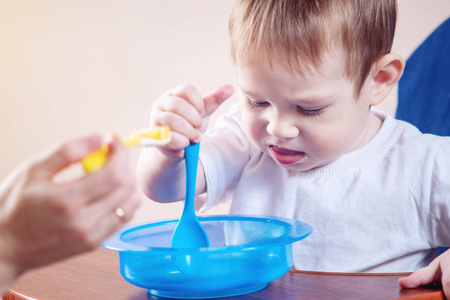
[(215, 98), (53, 160)]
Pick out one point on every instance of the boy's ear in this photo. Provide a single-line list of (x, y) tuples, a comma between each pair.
[(386, 73)]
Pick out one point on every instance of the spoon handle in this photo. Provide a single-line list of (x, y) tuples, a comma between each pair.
[(191, 158)]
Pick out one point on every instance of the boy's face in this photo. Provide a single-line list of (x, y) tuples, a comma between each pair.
[(303, 122)]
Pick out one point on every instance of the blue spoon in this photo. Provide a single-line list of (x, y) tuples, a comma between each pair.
[(189, 235)]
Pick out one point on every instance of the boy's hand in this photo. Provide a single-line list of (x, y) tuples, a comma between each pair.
[(185, 111), (437, 271)]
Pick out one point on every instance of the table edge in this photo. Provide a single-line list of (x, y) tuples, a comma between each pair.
[(350, 273)]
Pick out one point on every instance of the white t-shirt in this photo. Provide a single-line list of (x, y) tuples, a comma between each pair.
[(381, 208)]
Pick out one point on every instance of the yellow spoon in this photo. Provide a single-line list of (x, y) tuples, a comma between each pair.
[(157, 136)]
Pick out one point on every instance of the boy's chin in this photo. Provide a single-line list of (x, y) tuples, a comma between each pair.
[(300, 166)]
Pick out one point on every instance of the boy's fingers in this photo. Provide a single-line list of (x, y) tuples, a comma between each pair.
[(179, 107), (424, 276), (61, 156), (190, 94), (214, 99), (446, 284), (412, 281), (445, 269)]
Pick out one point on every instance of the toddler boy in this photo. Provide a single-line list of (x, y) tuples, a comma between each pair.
[(305, 143)]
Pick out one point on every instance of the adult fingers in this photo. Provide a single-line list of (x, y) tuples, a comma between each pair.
[(116, 218), (114, 174), (50, 162), (105, 216)]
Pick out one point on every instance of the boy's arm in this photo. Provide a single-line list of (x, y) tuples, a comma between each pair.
[(437, 271), (161, 170), (162, 179)]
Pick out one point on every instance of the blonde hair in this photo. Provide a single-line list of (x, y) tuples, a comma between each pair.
[(301, 31)]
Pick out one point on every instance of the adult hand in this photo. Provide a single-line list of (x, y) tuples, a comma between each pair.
[(437, 271), (42, 221)]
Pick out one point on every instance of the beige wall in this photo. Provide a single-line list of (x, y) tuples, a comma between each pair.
[(68, 68)]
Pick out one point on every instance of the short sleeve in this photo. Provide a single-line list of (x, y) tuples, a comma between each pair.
[(224, 153)]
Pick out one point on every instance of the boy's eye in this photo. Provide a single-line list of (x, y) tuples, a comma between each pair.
[(257, 104), (309, 112)]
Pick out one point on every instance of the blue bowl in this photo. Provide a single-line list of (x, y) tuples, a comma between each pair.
[(245, 254)]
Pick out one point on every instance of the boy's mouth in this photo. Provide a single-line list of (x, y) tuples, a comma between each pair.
[(286, 156)]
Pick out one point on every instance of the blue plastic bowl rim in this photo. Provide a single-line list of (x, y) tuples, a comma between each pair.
[(297, 230)]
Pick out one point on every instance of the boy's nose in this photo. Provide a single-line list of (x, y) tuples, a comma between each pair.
[(282, 128)]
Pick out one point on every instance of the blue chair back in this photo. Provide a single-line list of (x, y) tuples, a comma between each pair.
[(424, 89)]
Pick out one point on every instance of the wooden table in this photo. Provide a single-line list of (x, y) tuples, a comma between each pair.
[(95, 275)]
